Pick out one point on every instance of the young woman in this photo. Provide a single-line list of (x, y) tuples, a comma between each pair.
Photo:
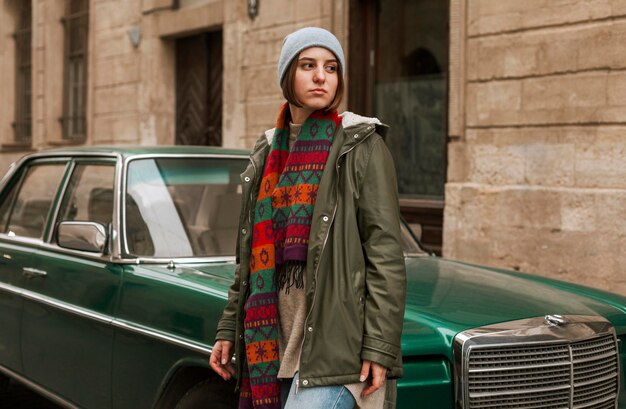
[(315, 313)]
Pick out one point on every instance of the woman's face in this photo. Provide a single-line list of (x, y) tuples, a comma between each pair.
[(316, 79)]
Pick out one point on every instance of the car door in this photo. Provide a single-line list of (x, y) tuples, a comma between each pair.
[(25, 204), (66, 326)]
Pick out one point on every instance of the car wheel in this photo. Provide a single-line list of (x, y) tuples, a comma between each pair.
[(208, 394)]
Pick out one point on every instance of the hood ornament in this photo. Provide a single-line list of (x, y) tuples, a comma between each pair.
[(555, 320)]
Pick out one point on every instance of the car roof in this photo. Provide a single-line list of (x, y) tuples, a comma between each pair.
[(129, 151)]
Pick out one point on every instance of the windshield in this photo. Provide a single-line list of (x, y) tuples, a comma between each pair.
[(189, 207), (183, 207)]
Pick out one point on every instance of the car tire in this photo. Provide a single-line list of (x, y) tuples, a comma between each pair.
[(208, 394)]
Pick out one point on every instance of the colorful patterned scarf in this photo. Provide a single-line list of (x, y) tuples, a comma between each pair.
[(280, 240)]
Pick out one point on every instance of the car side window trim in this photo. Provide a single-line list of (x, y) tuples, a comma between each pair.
[(20, 173), (50, 227), (13, 184), (74, 163), (26, 241), (49, 245), (15, 176), (9, 187), (124, 252)]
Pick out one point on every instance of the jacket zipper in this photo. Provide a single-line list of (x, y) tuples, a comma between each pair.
[(332, 219)]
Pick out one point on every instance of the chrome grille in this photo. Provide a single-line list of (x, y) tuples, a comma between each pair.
[(595, 372), (555, 372)]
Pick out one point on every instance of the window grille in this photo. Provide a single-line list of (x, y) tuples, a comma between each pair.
[(23, 74), (76, 22)]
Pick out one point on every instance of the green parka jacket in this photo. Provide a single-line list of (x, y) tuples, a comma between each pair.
[(355, 276)]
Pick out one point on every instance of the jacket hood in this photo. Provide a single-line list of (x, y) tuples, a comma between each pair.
[(348, 119)]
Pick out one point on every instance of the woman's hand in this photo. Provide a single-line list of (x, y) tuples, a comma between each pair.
[(221, 359), (378, 375)]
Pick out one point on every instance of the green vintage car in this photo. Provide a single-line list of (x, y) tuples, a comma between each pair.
[(115, 265)]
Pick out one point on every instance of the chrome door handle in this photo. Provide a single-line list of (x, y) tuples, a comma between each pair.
[(33, 272)]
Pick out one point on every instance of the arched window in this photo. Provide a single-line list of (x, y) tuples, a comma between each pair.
[(23, 70), (76, 23)]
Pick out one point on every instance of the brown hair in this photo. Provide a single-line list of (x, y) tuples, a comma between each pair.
[(290, 94)]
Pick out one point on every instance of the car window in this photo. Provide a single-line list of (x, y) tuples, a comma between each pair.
[(25, 209), (89, 195), (7, 204), (183, 207)]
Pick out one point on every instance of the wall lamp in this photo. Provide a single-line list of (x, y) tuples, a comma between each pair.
[(253, 8)]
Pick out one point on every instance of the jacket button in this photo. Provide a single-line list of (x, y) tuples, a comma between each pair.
[(247, 178), (240, 336), (245, 283), (310, 329), (244, 231), (356, 135), (361, 299), (305, 382), (325, 218)]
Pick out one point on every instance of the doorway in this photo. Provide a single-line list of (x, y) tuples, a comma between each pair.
[(399, 73), (199, 76)]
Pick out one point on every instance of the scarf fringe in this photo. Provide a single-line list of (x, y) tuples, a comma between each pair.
[(289, 275)]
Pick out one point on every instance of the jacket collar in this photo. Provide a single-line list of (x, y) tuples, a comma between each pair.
[(259, 152), (352, 124)]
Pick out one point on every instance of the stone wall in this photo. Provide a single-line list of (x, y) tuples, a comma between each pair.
[(131, 88), (116, 74), (252, 95), (537, 174), (8, 17)]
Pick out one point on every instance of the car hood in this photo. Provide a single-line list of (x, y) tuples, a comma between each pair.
[(446, 297)]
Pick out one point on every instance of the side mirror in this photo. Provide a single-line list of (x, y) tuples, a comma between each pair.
[(84, 236)]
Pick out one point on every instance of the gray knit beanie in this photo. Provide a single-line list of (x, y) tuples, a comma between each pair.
[(305, 38)]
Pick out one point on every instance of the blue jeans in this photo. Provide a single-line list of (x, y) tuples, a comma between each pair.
[(317, 397)]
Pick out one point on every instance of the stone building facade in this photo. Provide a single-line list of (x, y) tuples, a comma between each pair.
[(130, 92), (204, 72), (537, 158), (531, 96)]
